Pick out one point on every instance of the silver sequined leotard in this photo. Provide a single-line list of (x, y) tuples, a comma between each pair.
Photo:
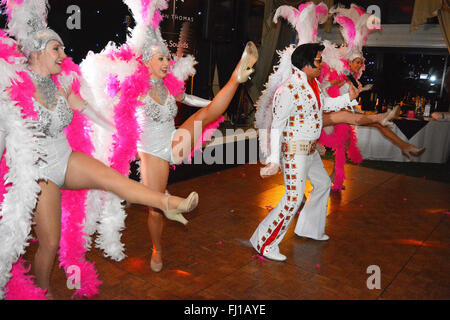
[(158, 127), (54, 143)]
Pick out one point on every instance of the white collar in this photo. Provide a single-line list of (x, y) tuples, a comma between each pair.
[(296, 72)]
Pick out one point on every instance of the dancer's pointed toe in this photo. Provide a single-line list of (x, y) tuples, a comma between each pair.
[(413, 151), (248, 59), (390, 115)]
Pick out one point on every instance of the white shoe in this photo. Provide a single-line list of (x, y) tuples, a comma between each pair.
[(187, 205), (324, 237), (275, 255), (248, 59), (391, 115)]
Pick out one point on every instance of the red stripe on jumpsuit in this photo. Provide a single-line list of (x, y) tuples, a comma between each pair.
[(272, 237), (284, 212)]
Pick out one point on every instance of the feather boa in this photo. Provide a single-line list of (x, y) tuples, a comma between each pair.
[(342, 133), (20, 193), (73, 244), (18, 175), (73, 210), (123, 152), (338, 141), (263, 116), (21, 286)]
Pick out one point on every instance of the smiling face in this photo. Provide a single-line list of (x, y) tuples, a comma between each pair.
[(356, 65), (49, 60), (158, 66)]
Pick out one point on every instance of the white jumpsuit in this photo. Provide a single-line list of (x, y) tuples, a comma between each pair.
[(297, 116)]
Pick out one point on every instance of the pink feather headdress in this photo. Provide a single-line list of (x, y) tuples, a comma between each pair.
[(305, 19), (355, 26)]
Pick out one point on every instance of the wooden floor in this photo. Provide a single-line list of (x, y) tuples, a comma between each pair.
[(398, 223)]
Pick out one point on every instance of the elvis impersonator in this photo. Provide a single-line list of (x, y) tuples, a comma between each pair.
[(297, 123)]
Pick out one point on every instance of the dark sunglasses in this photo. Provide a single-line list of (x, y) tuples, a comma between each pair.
[(319, 60)]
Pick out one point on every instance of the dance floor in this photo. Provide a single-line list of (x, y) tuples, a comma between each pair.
[(397, 223)]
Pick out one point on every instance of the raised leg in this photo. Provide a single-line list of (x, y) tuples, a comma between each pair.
[(190, 131), (408, 149), (84, 172), (360, 119)]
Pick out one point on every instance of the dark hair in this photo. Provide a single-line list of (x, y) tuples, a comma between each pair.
[(305, 54)]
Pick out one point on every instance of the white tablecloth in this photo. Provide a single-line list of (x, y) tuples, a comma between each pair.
[(435, 136)]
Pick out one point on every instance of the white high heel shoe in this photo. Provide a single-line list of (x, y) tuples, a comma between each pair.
[(390, 116), (248, 59), (187, 205), (413, 151)]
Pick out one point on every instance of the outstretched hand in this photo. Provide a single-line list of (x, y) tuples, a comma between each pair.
[(269, 170), (354, 92)]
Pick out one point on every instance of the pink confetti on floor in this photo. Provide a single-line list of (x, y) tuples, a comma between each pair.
[(447, 213), (257, 256), (317, 266), (218, 172), (361, 206), (404, 199), (244, 175), (219, 243)]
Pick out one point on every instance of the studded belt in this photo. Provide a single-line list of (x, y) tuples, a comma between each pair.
[(302, 147)]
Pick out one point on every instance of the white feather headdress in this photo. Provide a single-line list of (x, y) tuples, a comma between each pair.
[(146, 36), (27, 23)]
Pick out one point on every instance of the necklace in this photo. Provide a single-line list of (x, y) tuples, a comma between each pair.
[(158, 86), (47, 88)]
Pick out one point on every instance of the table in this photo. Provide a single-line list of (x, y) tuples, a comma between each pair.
[(434, 135)]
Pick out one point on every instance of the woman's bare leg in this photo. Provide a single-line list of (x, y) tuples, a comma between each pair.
[(360, 119), (388, 133), (85, 172), (190, 131), (47, 227), (407, 149), (154, 174)]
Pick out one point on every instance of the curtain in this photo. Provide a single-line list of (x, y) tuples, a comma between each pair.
[(424, 9), (444, 21)]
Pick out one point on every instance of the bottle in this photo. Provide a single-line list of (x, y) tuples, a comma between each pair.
[(427, 110)]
